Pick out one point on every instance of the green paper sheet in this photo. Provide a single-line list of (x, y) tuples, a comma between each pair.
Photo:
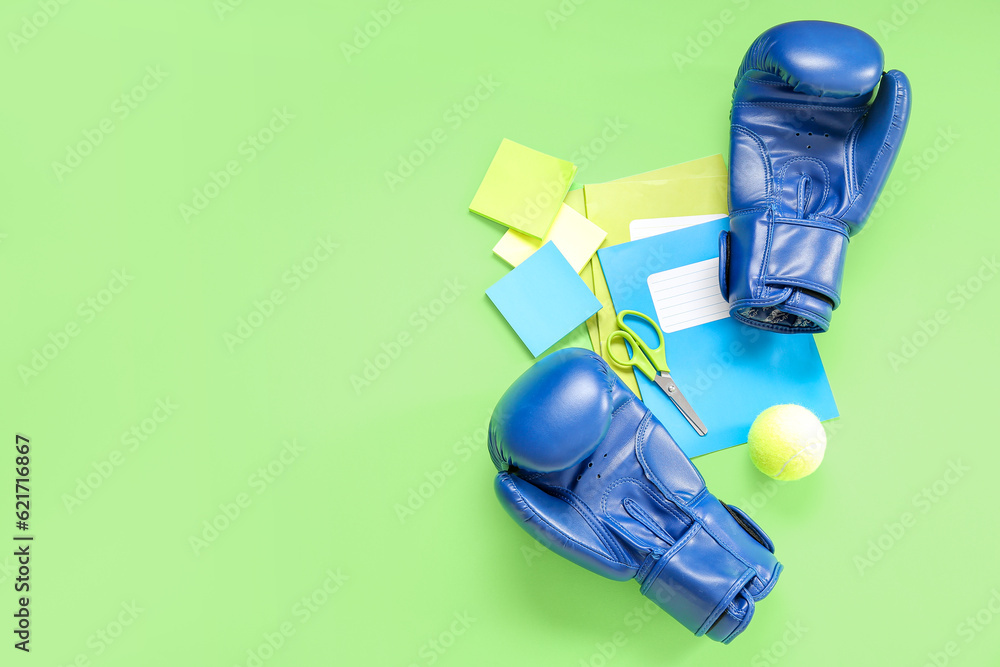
[(523, 189), (612, 206)]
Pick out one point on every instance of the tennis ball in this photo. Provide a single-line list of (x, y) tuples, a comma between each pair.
[(787, 442)]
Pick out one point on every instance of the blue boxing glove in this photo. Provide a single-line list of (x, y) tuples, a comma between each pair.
[(811, 147), (588, 471)]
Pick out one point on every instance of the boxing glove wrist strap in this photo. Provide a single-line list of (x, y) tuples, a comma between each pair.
[(801, 272), (674, 580)]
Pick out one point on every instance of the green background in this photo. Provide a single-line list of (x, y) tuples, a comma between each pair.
[(333, 507)]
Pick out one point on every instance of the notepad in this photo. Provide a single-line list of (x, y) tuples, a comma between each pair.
[(646, 227), (688, 295)]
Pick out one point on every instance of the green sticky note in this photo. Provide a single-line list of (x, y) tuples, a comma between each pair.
[(523, 189)]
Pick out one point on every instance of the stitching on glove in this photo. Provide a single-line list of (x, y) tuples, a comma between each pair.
[(779, 83), (758, 290), (733, 591), (595, 524), (794, 105), (640, 440), (743, 625), (772, 580), (803, 195), (813, 286), (829, 224), (636, 511), (654, 572), (769, 195), (822, 165), (670, 507), (850, 146), (615, 412), (886, 146), (721, 539), (567, 537), (764, 155)]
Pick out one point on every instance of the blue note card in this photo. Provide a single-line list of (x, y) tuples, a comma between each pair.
[(543, 299), (728, 371)]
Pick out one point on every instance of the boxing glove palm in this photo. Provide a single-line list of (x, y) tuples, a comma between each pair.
[(811, 148), (586, 469)]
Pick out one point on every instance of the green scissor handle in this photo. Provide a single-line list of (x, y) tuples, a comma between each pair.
[(649, 361)]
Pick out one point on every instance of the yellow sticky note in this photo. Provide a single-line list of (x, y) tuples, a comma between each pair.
[(576, 237)]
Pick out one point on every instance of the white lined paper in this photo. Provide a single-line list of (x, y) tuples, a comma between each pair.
[(646, 227), (688, 296)]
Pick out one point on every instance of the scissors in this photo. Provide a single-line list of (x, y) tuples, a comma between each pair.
[(652, 363)]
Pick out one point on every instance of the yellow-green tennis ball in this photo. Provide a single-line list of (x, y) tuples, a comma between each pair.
[(787, 442)]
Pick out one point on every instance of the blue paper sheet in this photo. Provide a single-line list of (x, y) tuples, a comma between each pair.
[(543, 299), (728, 371)]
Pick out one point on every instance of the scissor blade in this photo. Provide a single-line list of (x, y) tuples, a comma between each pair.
[(668, 385)]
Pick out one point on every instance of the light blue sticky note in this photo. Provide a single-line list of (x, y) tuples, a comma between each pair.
[(543, 299), (728, 371)]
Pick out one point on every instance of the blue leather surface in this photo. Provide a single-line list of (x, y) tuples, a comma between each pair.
[(628, 503), (811, 148)]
